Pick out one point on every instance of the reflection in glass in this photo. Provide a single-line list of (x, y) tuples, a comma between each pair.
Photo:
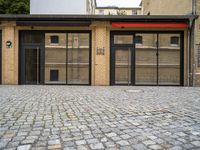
[(123, 39), (146, 60), (31, 66), (123, 66), (55, 59), (169, 60), (32, 38), (78, 58)]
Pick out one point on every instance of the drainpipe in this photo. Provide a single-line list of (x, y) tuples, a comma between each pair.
[(194, 47)]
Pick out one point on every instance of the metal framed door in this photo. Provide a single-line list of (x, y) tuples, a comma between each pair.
[(31, 70), (122, 66)]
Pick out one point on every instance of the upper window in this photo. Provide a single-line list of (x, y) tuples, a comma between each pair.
[(32, 38), (138, 39), (134, 12), (174, 40), (54, 39), (101, 12), (123, 39)]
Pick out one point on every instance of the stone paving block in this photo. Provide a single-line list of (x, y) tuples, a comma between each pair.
[(196, 143), (155, 147), (24, 147), (97, 146), (55, 146)]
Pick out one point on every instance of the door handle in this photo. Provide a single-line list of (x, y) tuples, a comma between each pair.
[(38, 65), (157, 54)]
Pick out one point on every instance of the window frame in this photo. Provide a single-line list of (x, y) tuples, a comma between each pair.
[(176, 43), (141, 40), (52, 38)]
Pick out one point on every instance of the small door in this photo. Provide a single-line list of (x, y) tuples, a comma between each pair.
[(32, 66), (122, 66)]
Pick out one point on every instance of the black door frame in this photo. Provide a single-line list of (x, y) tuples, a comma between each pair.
[(112, 70), (113, 46), (23, 63), (41, 45), (22, 47), (0, 57)]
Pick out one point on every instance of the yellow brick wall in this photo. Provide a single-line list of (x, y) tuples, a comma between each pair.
[(9, 55), (100, 38)]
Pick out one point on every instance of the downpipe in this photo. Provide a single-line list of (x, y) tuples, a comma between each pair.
[(188, 57)]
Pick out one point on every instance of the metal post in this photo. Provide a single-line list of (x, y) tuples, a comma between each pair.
[(188, 58), (38, 65)]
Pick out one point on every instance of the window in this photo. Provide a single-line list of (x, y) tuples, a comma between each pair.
[(134, 12), (54, 75), (123, 39), (54, 39), (138, 39), (174, 40), (101, 12)]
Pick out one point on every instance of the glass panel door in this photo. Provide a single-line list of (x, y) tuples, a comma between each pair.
[(123, 66), (146, 59), (169, 59), (32, 69), (78, 62)]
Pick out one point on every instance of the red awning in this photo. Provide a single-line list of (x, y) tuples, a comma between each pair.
[(147, 24)]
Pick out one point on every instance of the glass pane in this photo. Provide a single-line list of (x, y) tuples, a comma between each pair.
[(146, 60), (32, 38), (55, 59), (122, 66), (78, 58), (31, 66), (123, 39), (78, 40), (169, 60)]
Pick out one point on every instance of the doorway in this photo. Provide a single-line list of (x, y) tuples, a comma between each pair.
[(32, 65), (31, 53), (55, 57)]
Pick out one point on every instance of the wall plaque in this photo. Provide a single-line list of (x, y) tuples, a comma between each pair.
[(8, 44), (100, 51)]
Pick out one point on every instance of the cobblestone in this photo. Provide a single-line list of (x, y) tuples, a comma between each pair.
[(84, 118)]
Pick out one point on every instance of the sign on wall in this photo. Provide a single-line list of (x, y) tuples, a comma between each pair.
[(8, 44), (100, 51)]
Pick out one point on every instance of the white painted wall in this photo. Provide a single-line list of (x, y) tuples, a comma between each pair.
[(58, 7)]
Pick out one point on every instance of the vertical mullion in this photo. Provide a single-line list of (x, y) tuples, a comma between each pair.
[(157, 55), (133, 61), (66, 65)]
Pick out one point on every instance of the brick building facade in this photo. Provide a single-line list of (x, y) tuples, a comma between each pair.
[(94, 50)]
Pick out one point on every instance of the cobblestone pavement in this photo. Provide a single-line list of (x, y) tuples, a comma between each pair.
[(83, 118)]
